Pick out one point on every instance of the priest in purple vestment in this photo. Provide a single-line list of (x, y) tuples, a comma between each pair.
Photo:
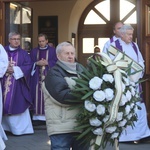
[(44, 57), (15, 86), (116, 30)]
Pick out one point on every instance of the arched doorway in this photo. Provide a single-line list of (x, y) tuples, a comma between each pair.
[(96, 23)]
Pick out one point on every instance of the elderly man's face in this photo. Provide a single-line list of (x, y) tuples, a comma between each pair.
[(128, 36), (67, 54)]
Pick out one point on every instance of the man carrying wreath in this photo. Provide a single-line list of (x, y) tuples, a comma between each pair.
[(57, 87)]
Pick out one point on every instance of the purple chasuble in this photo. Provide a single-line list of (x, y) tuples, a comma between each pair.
[(37, 54), (16, 95)]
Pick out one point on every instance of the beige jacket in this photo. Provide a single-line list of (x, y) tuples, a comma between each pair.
[(59, 119)]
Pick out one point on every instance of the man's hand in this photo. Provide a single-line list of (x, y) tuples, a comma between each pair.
[(42, 62), (10, 69)]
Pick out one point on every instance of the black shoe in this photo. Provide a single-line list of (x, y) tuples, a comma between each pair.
[(38, 123)]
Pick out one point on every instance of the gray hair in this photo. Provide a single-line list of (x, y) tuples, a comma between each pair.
[(126, 27), (11, 34), (60, 46)]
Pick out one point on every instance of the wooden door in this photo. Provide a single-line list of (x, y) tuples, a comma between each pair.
[(1, 22), (144, 44)]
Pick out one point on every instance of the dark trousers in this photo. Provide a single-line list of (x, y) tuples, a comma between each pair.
[(67, 141)]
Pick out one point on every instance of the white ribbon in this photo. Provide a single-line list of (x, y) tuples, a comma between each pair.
[(113, 66)]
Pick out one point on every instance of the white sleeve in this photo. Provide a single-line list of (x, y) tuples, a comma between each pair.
[(33, 69), (3, 61), (106, 46), (17, 72)]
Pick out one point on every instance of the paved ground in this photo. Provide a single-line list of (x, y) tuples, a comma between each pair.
[(40, 141)]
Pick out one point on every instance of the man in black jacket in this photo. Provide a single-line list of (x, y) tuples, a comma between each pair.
[(58, 85)]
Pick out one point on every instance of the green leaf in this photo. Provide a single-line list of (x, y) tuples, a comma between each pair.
[(94, 69), (87, 95), (128, 70), (82, 127), (81, 84), (79, 80), (84, 133), (88, 74), (142, 80), (135, 72), (82, 75), (82, 89), (77, 94)]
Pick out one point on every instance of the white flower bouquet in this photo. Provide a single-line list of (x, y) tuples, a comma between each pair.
[(106, 107)]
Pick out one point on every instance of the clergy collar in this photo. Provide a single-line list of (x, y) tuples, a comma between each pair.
[(44, 48), (124, 43), (12, 48)]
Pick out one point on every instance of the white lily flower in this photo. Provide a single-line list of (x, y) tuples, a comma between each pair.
[(123, 100), (99, 96), (128, 95), (108, 78), (109, 93), (114, 135), (111, 129), (95, 83), (122, 123), (106, 118), (129, 116), (132, 90), (127, 109), (119, 116), (100, 109), (91, 107), (95, 122), (123, 87), (98, 131)]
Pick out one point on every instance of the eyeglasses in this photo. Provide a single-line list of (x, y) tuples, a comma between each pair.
[(15, 39)]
